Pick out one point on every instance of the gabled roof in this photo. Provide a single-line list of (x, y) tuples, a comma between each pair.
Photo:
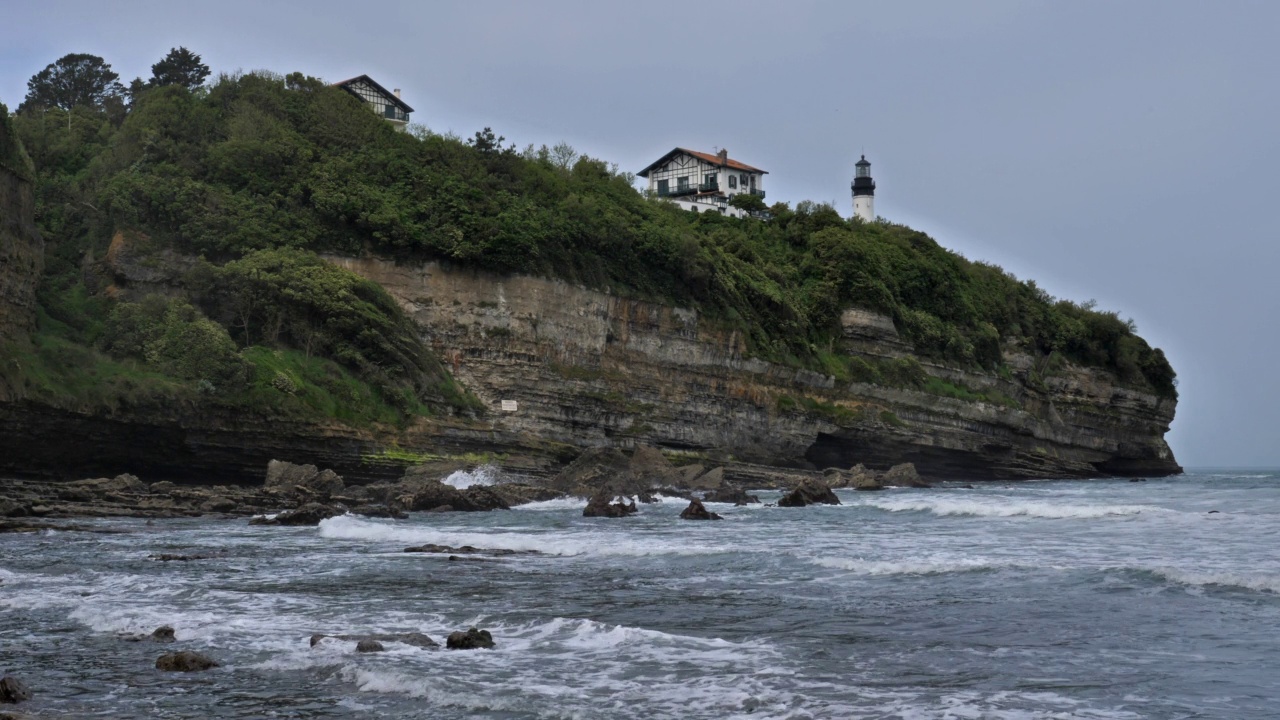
[(389, 95), (705, 157)]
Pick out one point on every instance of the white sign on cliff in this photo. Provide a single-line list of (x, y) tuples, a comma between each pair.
[(509, 406)]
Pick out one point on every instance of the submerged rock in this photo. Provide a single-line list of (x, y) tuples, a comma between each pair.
[(472, 639), (13, 691), (809, 492), (415, 639), (369, 645), (467, 550), (697, 511), (185, 661), (600, 506)]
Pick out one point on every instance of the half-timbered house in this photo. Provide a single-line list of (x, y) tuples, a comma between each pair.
[(386, 104), (703, 182)]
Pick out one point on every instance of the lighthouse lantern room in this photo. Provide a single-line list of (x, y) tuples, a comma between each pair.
[(864, 191)]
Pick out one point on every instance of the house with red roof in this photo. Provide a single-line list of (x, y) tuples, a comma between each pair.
[(703, 182)]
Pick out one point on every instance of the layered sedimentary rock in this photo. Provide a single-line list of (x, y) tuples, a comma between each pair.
[(577, 366)]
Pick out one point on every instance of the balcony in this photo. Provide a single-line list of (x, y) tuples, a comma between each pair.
[(757, 193), (677, 191)]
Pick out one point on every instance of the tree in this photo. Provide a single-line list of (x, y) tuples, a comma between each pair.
[(749, 202), (75, 79), (179, 67)]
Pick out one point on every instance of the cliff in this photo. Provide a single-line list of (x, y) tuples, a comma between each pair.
[(589, 368)]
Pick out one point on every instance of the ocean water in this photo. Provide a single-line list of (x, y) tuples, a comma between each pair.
[(1097, 600)]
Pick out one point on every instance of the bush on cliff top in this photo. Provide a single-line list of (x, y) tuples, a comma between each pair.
[(265, 163)]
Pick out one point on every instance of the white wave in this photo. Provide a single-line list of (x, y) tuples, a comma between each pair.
[(1258, 582), (564, 503), (567, 544), (1003, 507), (463, 479), (912, 566)]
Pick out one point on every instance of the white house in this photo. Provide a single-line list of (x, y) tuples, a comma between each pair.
[(703, 182), (386, 104)]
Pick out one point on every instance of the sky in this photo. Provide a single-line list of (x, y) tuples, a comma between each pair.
[(1125, 152)]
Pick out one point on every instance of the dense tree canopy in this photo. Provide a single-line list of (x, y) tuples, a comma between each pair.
[(262, 170), (74, 80)]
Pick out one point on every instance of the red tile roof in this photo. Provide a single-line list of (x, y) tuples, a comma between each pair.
[(705, 157)]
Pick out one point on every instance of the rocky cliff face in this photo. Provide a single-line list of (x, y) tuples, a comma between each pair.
[(21, 249), (577, 366)]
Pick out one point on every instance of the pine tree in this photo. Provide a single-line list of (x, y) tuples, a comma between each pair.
[(75, 79), (179, 67)]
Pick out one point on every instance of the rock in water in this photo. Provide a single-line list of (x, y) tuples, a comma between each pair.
[(415, 639), (13, 691), (600, 506), (164, 634), (470, 640), (809, 492), (904, 475), (184, 661), (309, 514), (861, 478), (697, 511), (369, 645), (729, 494)]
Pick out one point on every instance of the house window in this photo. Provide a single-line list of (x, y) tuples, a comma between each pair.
[(662, 187), (744, 180), (733, 181), (391, 111), (682, 182)]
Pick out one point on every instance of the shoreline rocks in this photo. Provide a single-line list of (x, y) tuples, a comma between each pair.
[(13, 691), (697, 511), (809, 492), (472, 639), (600, 505), (185, 661)]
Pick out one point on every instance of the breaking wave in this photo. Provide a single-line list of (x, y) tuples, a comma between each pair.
[(1008, 508)]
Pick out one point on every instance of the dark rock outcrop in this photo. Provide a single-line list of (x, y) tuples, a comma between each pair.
[(185, 661), (697, 511), (369, 645), (302, 480), (860, 478), (437, 496), (809, 492), (472, 639), (379, 511), (12, 690), (467, 550), (601, 505)]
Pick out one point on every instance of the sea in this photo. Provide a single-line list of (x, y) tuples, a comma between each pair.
[(1101, 599)]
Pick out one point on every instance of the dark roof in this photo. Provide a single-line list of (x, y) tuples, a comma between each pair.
[(863, 161), (390, 95), (705, 157)]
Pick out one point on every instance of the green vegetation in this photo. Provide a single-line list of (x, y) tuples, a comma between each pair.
[(256, 173)]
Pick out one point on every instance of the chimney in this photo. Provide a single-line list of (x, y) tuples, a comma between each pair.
[(723, 155), (397, 93)]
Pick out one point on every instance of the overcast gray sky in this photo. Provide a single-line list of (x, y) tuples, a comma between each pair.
[(1121, 151)]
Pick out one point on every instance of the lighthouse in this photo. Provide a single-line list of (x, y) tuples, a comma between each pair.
[(864, 191)]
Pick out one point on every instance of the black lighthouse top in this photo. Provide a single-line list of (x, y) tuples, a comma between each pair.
[(862, 182)]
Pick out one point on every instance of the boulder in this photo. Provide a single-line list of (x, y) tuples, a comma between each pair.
[(369, 645), (904, 475), (12, 690), (434, 495), (309, 514), (600, 505), (594, 471), (809, 492), (687, 474), (288, 477), (861, 478), (470, 640), (697, 511), (163, 634), (709, 480), (184, 661), (730, 494), (835, 477)]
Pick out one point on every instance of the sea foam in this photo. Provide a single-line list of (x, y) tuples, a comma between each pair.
[(1002, 508)]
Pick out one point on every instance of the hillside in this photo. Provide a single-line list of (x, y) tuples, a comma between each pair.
[(268, 249)]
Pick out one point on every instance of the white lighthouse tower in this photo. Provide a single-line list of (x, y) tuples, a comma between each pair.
[(864, 191)]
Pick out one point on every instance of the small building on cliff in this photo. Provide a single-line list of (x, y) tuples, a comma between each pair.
[(703, 182), (386, 104)]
